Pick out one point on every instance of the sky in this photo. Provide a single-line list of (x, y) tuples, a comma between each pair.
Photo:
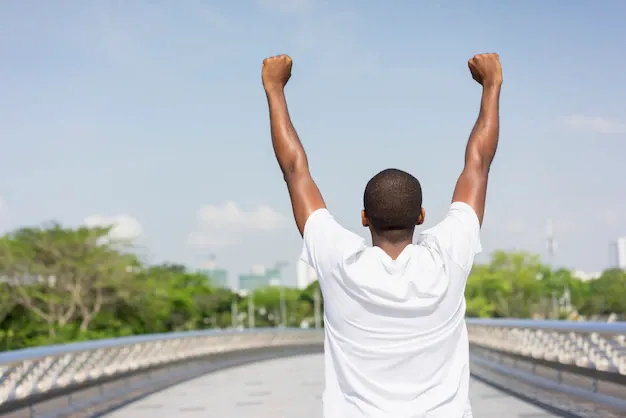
[(151, 117)]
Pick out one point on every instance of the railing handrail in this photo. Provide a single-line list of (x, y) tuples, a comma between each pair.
[(143, 363), (9, 357), (35, 375), (58, 349), (553, 325)]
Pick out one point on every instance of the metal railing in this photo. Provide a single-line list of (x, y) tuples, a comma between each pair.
[(31, 377), (567, 365), (581, 361)]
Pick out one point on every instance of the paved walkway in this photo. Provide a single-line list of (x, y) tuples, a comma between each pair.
[(284, 388)]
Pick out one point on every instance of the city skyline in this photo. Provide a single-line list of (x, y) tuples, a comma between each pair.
[(153, 120)]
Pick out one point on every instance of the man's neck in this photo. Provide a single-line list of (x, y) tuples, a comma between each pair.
[(393, 250)]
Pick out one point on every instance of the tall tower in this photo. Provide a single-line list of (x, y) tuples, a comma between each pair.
[(211, 262), (550, 241), (621, 252), (551, 244)]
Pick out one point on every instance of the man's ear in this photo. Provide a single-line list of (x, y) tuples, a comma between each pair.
[(364, 221), (420, 219)]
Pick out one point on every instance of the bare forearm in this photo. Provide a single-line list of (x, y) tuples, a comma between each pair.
[(287, 146), (483, 141)]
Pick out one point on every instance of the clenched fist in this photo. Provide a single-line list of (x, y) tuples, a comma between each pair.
[(276, 72), (486, 69)]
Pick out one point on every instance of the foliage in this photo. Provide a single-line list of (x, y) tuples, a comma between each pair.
[(518, 285), (62, 284)]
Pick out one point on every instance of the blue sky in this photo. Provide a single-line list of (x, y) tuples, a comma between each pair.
[(151, 115)]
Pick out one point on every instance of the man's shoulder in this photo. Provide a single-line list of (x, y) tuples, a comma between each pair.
[(460, 215), (327, 243), (458, 234)]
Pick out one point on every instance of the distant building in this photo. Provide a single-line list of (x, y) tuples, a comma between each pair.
[(621, 252), (305, 275), (584, 276), (252, 282), (274, 276), (258, 269), (217, 277), (260, 276)]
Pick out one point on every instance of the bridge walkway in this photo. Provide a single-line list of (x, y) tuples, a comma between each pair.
[(289, 388)]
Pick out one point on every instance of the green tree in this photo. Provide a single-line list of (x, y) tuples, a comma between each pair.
[(508, 286), (606, 294), (63, 276), (6, 301), (66, 284)]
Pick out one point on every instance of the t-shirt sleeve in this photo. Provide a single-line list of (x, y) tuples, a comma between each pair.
[(327, 244), (458, 234)]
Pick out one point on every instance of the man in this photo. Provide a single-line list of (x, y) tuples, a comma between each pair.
[(396, 343)]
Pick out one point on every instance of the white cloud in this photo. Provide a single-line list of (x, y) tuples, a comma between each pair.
[(220, 226), (230, 216), (124, 227), (595, 124)]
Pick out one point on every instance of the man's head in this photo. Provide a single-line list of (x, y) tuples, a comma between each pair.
[(392, 206)]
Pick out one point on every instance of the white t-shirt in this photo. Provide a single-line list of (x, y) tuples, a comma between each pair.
[(395, 337)]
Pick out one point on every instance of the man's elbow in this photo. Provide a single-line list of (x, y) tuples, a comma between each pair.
[(295, 168), (478, 163)]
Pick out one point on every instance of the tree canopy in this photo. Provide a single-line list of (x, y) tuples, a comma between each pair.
[(60, 284)]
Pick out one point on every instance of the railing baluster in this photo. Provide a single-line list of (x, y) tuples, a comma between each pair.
[(525, 349)]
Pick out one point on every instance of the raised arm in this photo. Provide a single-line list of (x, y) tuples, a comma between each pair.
[(305, 195), (471, 188)]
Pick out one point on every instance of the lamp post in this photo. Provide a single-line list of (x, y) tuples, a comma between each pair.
[(283, 306), (233, 313), (551, 244), (251, 310)]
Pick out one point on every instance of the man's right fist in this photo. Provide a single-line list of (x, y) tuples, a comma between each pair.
[(276, 72), (486, 69)]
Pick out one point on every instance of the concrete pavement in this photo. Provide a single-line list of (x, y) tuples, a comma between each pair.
[(284, 388)]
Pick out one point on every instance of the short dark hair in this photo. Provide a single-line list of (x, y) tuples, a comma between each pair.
[(393, 202)]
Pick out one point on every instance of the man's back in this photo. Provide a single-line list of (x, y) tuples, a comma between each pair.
[(396, 342)]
